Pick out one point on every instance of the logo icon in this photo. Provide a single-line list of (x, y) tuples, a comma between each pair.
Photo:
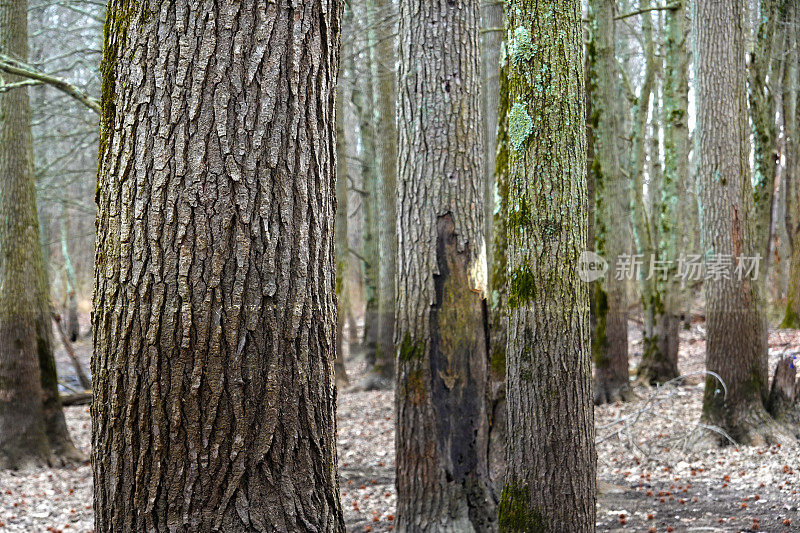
[(591, 266)]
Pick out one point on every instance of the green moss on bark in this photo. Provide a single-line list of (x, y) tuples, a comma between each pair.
[(411, 350), (516, 515)]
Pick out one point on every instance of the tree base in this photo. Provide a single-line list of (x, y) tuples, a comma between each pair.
[(371, 382), (612, 393), (751, 426)]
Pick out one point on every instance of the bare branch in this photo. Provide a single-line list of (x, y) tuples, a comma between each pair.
[(17, 68)]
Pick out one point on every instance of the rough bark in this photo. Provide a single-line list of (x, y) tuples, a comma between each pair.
[(441, 327), (550, 483), (215, 311), (386, 57), (32, 426), (612, 190), (736, 347)]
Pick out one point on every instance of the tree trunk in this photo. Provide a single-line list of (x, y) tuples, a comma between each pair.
[(765, 134), (677, 196), (550, 483), (736, 347), (340, 240), (72, 326), (492, 36), (215, 311), (386, 57), (32, 425), (363, 99), (363, 102), (499, 295), (659, 338), (791, 113), (442, 419), (612, 237)]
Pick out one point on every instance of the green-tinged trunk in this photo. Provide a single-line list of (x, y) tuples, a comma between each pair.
[(550, 483), (341, 242), (364, 104), (672, 213), (791, 113), (32, 426), (386, 58), (612, 208), (762, 89)]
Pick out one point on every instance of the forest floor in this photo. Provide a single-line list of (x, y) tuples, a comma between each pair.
[(648, 481)]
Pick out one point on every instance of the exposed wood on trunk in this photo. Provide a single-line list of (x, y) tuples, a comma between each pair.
[(442, 422)]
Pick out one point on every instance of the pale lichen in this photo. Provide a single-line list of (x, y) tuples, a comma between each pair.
[(520, 125), (521, 46)]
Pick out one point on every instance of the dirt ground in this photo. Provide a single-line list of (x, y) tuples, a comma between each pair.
[(648, 480)]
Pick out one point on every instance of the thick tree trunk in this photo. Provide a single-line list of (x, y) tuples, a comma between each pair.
[(442, 416), (214, 302), (32, 426), (386, 57), (736, 346), (612, 190), (550, 483)]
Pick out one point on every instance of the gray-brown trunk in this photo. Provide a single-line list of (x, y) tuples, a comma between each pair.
[(215, 307), (442, 416)]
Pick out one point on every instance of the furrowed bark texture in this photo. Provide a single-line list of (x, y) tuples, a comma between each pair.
[(386, 57), (442, 418), (612, 190), (32, 426), (215, 272), (550, 482), (735, 317)]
